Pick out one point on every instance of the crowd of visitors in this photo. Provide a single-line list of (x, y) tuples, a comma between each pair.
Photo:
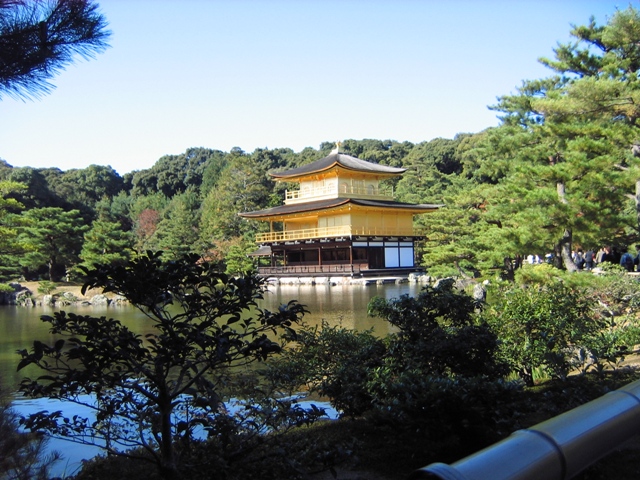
[(619, 256), (589, 260)]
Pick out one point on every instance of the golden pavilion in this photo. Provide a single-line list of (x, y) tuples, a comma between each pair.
[(339, 222)]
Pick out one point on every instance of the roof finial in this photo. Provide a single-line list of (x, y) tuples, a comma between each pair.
[(337, 149)]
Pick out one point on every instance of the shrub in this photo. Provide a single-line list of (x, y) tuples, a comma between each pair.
[(541, 327), (334, 362), (439, 333), (22, 455), (46, 287)]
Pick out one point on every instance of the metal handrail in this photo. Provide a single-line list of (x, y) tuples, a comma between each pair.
[(558, 448)]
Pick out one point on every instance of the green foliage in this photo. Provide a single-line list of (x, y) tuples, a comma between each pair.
[(542, 327), (174, 174), (439, 353), (559, 170), (83, 188), (38, 192), (438, 334), (243, 186), (441, 371), (177, 231), (10, 246), (39, 39), (334, 362), (54, 238), (237, 259), (46, 287), (22, 455), (612, 303), (153, 393), (105, 242)]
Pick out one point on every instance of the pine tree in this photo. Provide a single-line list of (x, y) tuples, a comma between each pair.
[(561, 162), (106, 243), (38, 39)]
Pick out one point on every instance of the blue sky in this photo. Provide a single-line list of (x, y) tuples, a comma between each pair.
[(286, 73)]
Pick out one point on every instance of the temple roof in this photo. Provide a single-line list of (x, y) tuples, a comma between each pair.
[(338, 159), (337, 202)]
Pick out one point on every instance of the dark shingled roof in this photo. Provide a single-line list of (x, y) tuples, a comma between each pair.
[(335, 202), (345, 161)]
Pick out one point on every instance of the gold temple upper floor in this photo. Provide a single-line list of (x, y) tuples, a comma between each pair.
[(336, 231)]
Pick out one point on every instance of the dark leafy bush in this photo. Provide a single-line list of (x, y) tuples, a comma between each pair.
[(437, 353), (152, 395), (22, 455), (334, 362), (439, 334)]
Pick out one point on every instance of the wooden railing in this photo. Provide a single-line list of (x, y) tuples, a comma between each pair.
[(337, 231), (333, 191), (311, 269)]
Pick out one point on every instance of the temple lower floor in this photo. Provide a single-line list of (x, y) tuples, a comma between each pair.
[(356, 256)]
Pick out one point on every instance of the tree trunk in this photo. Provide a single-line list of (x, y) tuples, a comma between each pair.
[(51, 271), (565, 250), (637, 199), (168, 467), (564, 245)]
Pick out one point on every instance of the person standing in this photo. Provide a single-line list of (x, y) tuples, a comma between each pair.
[(607, 255), (588, 259), (626, 260)]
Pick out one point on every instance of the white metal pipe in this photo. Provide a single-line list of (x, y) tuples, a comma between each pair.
[(558, 448)]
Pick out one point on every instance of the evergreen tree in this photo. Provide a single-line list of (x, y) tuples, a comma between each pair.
[(105, 243), (177, 232), (38, 39), (54, 238), (237, 258), (10, 247), (243, 187), (559, 170)]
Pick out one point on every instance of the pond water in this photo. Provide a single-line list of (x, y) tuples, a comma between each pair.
[(20, 326), (345, 305)]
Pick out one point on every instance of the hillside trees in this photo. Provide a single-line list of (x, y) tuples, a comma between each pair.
[(211, 171), (105, 242), (38, 192), (173, 174), (385, 152), (38, 39), (177, 232), (243, 186), (430, 169), (84, 187)]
